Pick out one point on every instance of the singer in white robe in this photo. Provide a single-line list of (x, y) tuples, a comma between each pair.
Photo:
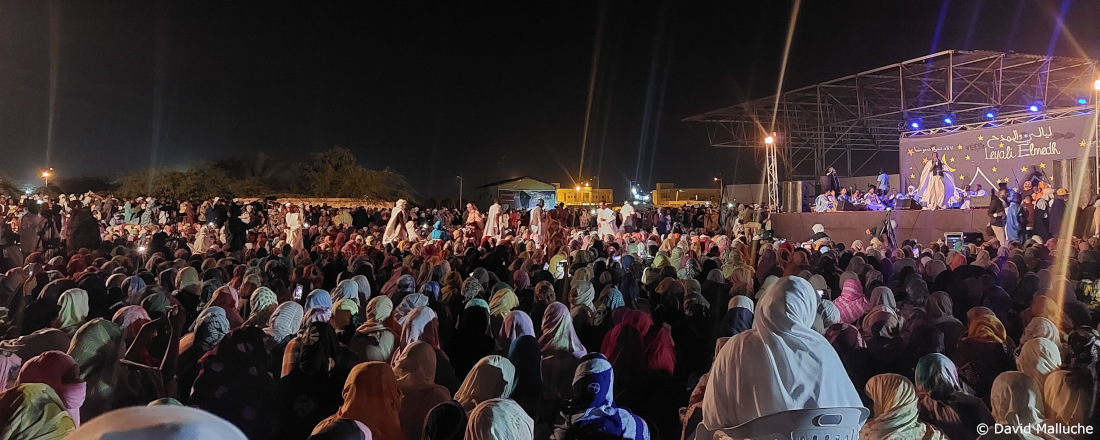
[(605, 221), (535, 225), (493, 226), (294, 225), (627, 212), (395, 228)]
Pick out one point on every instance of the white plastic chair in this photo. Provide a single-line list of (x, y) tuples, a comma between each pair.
[(799, 424)]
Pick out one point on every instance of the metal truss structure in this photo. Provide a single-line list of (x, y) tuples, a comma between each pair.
[(853, 123)]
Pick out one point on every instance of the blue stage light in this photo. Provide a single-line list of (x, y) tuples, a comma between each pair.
[(947, 120), (915, 125), (1033, 108), (990, 115), (1082, 101)]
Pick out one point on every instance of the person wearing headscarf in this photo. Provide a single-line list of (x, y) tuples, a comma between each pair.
[(281, 328), (395, 227), (318, 307), (372, 397), (233, 383), (592, 412), (561, 352), (940, 315), (492, 377), (407, 304), (516, 325), (472, 339), (415, 371), (374, 340), (1017, 400), (226, 298), (526, 357), (33, 411), (207, 330), (60, 372), (446, 421), (311, 391), (985, 346), (500, 303), (262, 304), (943, 400), (896, 411), (851, 303), (130, 319), (738, 317), (96, 348), (73, 311), (499, 419), (1041, 327), (158, 423), (796, 367), (1038, 358)]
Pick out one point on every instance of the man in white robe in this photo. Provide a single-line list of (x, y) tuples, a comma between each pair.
[(605, 221), (536, 226), (627, 212), (294, 224), (493, 226), (395, 228)]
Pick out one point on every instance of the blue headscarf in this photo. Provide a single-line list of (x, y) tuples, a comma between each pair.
[(593, 410), (431, 290)]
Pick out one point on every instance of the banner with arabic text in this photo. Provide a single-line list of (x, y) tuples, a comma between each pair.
[(992, 155)]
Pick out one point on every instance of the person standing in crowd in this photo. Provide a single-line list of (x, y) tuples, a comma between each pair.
[(997, 213)]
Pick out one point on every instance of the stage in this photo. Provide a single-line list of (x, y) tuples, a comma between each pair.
[(923, 226)]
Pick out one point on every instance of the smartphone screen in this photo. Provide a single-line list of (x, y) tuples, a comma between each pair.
[(298, 293), (820, 293)]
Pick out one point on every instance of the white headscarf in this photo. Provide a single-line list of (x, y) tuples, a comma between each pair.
[(284, 321), (795, 367), (158, 423), (499, 419), (1016, 400), (348, 290), (1069, 405), (1038, 358), (492, 377)]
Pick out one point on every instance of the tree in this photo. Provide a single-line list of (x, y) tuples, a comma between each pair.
[(336, 173), (201, 182)]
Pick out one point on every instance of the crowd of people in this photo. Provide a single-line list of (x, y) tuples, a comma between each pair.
[(262, 320)]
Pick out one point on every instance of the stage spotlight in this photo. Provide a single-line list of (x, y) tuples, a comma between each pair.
[(1033, 108), (947, 120), (1082, 101), (915, 125), (990, 115)]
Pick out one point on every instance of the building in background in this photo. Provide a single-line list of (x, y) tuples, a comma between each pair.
[(667, 194), (515, 193), (584, 195)]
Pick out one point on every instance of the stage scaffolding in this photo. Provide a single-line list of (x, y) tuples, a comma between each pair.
[(853, 123)]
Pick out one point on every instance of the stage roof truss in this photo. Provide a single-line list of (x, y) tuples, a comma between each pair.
[(854, 123)]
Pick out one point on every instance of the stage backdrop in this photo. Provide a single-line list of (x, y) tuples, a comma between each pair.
[(526, 199), (998, 154)]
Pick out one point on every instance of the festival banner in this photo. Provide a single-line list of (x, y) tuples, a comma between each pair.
[(527, 199), (994, 155)]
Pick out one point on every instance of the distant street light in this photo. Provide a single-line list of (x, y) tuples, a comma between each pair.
[(46, 175)]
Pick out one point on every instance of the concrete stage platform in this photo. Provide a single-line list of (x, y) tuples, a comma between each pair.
[(923, 226), (848, 226)]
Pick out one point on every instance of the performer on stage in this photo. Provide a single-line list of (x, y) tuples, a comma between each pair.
[(936, 183)]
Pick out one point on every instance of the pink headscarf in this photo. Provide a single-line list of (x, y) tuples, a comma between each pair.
[(852, 304), (60, 372)]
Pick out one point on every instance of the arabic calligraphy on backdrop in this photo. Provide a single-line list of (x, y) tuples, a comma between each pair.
[(998, 154)]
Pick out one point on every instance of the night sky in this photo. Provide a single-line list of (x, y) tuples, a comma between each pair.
[(484, 89)]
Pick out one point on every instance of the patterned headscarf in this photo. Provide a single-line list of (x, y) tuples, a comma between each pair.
[(593, 411)]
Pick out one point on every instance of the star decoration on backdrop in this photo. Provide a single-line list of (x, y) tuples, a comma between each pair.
[(1002, 145), (967, 157), (981, 138), (962, 177), (925, 160), (960, 146), (1042, 165), (1082, 143), (910, 151), (912, 176), (952, 159), (994, 169), (1023, 169)]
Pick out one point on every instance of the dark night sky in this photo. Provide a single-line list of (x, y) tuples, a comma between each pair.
[(489, 90)]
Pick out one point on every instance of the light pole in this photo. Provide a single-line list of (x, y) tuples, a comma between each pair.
[(459, 202), (46, 176), (771, 173), (721, 192)]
